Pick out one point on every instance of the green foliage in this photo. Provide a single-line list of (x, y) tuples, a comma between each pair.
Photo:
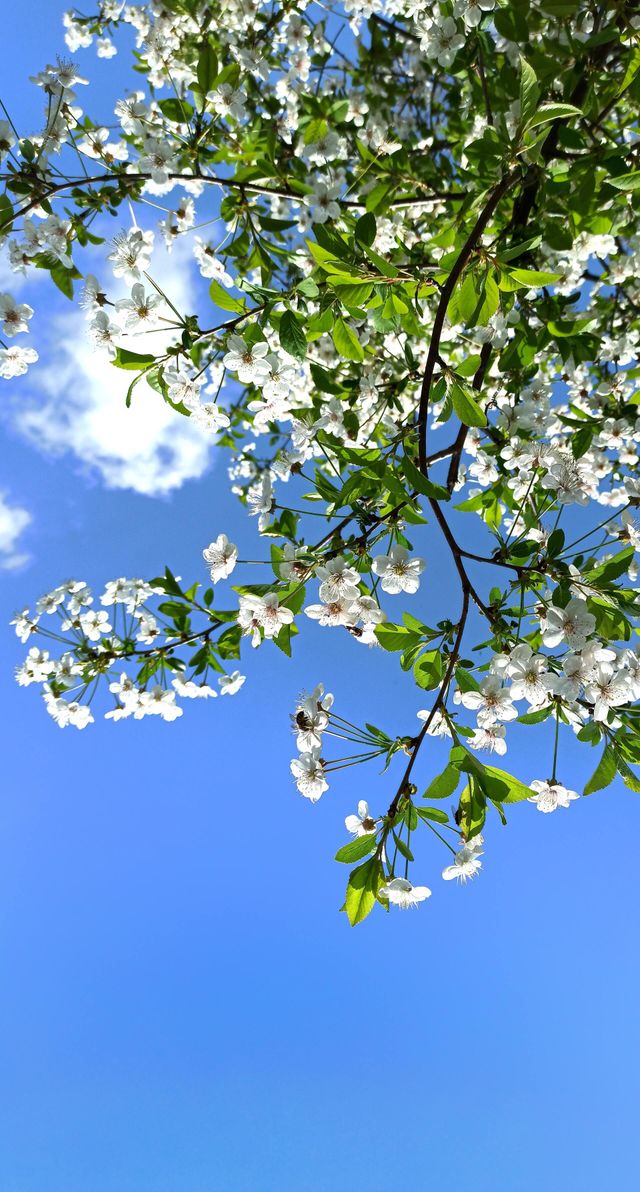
[(439, 299)]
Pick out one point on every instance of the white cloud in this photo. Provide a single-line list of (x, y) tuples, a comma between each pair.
[(81, 409), (13, 521)]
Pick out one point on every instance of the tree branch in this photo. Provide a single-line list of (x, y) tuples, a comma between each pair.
[(208, 179), (438, 702), (454, 466), (505, 183)]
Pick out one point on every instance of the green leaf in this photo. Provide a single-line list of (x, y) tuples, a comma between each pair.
[(630, 181), (427, 670), (427, 487), (633, 66), (628, 777), (366, 229), (403, 848), (6, 213), (316, 129), (362, 888), (503, 787), (517, 250), (433, 813), (224, 300), (207, 69), (615, 567), (126, 359), (308, 287), (553, 111), (581, 441), (323, 256), (466, 406), (176, 109), (356, 849), (476, 300), (292, 336), (529, 90), (472, 810), (444, 784), (62, 277), (385, 267), (604, 772), (352, 295), (533, 277), (536, 717), (464, 301), (128, 398), (468, 367), (394, 637), (346, 341)]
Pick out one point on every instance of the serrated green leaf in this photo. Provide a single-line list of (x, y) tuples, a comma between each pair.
[(308, 287), (472, 810), (604, 772), (292, 336), (466, 406), (444, 784), (529, 90), (552, 111), (433, 813), (403, 848), (346, 341), (422, 485), (536, 717), (224, 300), (394, 637), (630, 181), (626, 773), (427, 670), (362, 888), (633, 66), (534, 277), (356, 849), (503, 787)]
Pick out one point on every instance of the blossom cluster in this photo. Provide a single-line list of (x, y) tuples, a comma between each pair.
[(97, 642), (421, 234)]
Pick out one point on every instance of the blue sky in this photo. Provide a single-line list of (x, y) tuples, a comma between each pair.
[(183, 1009)]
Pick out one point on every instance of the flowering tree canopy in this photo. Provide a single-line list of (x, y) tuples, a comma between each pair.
[(419, 224)]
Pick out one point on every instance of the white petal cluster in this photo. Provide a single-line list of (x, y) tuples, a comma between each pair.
[(551, 795), (401, 893), (310, 719), (221, 557)]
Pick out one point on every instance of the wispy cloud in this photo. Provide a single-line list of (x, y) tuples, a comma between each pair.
[(13, 522), (80, 407)]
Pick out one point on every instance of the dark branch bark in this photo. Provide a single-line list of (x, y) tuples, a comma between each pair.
[(505, 183), (437, 703)]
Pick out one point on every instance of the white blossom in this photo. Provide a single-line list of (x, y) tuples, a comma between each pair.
[(400, 892), (572, 624), (308, 771), (361, 824), (466, 862), (399, 571), (551, 795), (221, 557)]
